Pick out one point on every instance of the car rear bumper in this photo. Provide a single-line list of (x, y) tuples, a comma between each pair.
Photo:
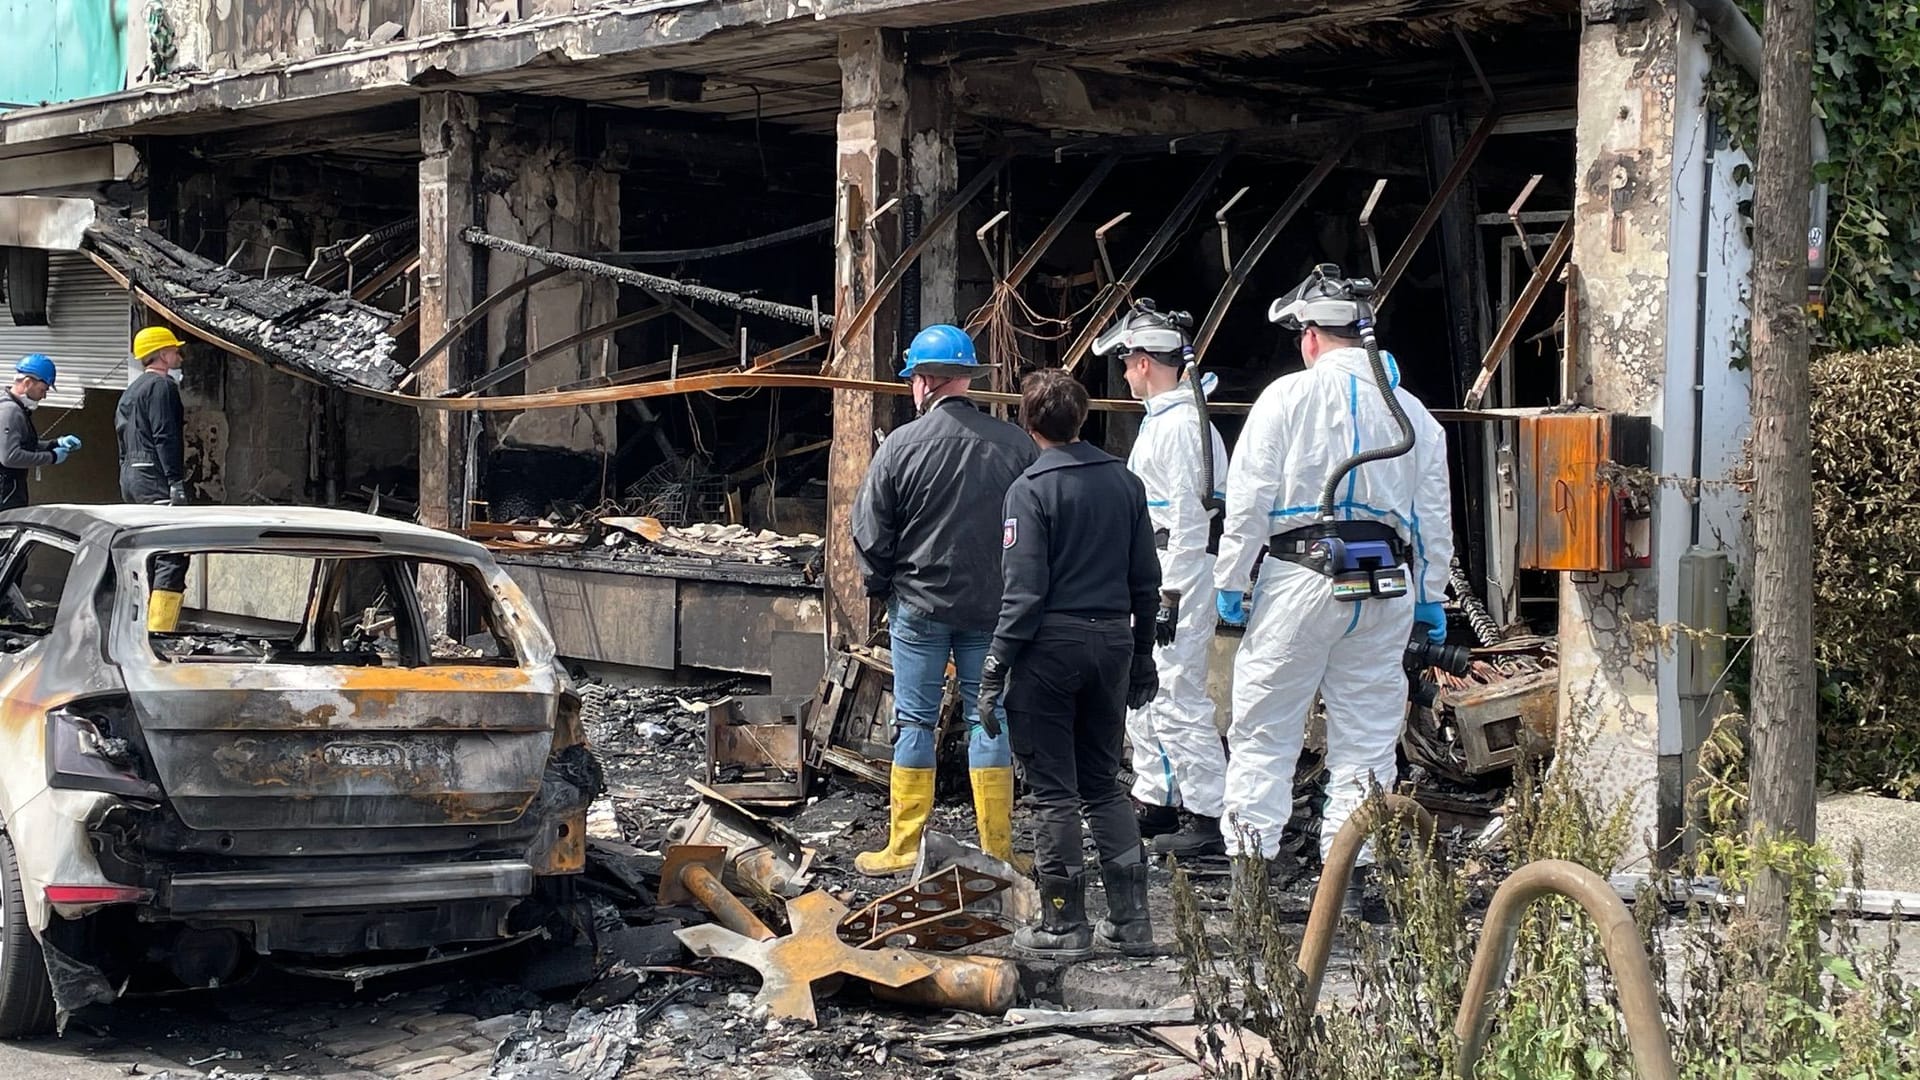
[(243, 892)]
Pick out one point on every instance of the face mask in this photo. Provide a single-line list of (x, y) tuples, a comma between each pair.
[(177, 375), (29, 404)]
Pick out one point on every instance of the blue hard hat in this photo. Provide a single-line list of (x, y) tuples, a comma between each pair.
[(38, 365), (941, 349)]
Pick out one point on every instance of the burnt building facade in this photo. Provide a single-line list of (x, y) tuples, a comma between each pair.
[(774, 194)]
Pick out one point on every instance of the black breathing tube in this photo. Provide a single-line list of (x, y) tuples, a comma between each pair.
[(1405, 443)]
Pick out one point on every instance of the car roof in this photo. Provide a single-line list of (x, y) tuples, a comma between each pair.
[(83, 519)]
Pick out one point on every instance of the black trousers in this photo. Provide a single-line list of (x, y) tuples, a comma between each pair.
[(1066, 718)]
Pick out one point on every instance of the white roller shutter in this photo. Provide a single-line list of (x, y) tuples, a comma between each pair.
[(87, 331)]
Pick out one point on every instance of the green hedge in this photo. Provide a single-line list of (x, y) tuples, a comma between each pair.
[(1866, 567)]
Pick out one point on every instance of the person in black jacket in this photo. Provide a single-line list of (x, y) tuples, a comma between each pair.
[(925, 528), (21, 447), (153, 459), (1073, 652)]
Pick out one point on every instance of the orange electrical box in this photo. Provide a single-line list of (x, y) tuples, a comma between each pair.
[(1577, 511)]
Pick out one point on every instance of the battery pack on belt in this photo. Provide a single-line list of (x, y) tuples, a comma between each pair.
[(1365, 559)]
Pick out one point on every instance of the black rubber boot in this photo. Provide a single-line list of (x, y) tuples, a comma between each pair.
[(1128, 926), (1199, 836), (1156, 820), (1063, 933), (1355, 904)]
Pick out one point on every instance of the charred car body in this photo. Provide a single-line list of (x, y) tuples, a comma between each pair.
[(299, 768)]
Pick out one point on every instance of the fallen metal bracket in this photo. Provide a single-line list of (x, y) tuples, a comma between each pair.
[(760, 853), (1237, 276), (1522, 307), (692, 872), (790, 965), (932, 913), (754, 751)]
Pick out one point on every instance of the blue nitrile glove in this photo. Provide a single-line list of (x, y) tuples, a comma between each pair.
[(71, 442), (60, 454), (1434, 617), (1231, 604)]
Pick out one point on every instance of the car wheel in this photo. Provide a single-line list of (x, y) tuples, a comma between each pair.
[(26, 997)]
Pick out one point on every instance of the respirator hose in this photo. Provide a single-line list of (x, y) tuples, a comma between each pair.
[(1405, 442)]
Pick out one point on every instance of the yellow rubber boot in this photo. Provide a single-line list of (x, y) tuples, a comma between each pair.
[(910, 801), (993, 814), (163, 610)]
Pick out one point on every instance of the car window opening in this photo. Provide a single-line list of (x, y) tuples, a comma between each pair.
[(353, 610)]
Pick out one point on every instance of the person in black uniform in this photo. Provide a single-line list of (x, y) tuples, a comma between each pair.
[(153, 459), (1073, 651)]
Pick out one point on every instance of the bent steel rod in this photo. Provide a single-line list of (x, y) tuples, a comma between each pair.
[(1316, 945), (1431, 215), (1619, 940), (1061, 220), (1269, 232), (1117, 292)]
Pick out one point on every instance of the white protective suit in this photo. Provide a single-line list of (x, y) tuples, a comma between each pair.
[(1177, 756), (1300, 640)]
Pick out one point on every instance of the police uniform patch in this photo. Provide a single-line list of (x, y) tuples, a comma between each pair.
[(1009, 533)]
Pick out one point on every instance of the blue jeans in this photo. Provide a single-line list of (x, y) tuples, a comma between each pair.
[(921, 648)]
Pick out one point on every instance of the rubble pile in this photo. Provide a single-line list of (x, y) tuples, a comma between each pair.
[(735, 543)]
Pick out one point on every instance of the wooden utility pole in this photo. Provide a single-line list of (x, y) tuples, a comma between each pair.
[(1783, 714)]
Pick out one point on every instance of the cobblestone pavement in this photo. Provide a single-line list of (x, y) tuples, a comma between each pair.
[(282, 1026)]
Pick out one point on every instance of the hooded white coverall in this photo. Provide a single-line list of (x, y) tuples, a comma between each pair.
[(1300, 640), (1177, 756)]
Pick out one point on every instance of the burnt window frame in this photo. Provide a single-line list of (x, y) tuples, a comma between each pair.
[(17, 551)]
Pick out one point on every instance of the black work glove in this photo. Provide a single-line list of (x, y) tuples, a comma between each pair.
[(1167, 620), (993, 683), (1143, 682), (177, 494)]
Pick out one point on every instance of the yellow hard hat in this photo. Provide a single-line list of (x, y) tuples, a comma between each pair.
[(152, 340)]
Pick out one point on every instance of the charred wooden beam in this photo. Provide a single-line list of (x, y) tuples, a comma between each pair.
[(1055, 97), (394, 127)]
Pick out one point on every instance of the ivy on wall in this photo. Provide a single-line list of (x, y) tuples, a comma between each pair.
[(1866, 74)]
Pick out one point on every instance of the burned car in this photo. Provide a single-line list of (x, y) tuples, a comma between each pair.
[(297, 766)]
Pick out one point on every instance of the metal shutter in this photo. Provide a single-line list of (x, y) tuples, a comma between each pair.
[(87, 332)]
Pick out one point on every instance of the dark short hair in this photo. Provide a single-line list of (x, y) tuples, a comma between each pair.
[(1053, 404)]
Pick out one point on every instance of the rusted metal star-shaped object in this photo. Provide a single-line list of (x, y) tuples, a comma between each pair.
[(790, 965)]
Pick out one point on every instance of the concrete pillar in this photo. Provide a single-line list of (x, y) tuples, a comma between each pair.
[(872, 132), (933, 165), (547, 187), (1623, 169), (448, 123)]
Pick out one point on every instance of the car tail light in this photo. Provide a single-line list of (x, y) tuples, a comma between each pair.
[(97, 894), (84, 753)]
